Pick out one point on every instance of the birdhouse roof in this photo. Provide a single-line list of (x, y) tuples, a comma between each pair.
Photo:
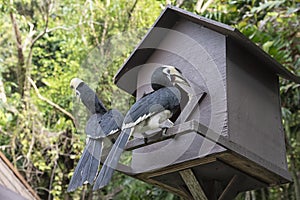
[(12, 182), (169, 17)]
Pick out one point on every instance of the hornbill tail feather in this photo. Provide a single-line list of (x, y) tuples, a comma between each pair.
[(112, 159), (77, 176), (86, 169), (94, 148)]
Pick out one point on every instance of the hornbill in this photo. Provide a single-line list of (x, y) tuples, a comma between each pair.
[(101, 124), (149, 113)]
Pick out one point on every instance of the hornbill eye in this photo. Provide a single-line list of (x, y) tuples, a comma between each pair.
[(166, 71)]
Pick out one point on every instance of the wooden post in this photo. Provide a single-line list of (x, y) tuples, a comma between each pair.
[(193, 184), (230, 191)]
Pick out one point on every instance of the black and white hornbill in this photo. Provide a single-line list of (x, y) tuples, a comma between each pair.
[(101, 124), (148, 113)]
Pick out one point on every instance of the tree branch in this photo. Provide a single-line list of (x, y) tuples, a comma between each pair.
[(41, 34), (199, 5), (130, 15), (2, 92), (91, 24), (179, 3), (112, 194), (52, 103), (52, 178), (60, 27), (18, 37), (206, 5), (21, 60)]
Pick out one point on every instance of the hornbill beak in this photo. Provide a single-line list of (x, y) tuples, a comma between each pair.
[(75, 82), (177, 77)]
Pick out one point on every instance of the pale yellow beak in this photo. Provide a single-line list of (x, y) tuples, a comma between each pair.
[(75, 82), (177, 77)]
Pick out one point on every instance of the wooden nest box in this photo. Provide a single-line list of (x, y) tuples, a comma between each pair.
[(228, 137)]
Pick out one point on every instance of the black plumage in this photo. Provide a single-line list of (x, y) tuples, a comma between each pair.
[(148, 113), (100, 124), (167, 98), (88, 97)]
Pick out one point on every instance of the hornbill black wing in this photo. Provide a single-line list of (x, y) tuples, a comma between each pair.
[(99, 126), (90, 99), (156, 102), (163, 99)]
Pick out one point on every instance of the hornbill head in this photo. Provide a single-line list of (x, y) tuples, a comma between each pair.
[(167, 76), (75, 82)]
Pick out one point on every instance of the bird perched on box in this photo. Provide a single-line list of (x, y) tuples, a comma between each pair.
[(101, 124), (148, 113)]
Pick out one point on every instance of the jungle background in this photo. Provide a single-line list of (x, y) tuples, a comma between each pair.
[(45, 43)]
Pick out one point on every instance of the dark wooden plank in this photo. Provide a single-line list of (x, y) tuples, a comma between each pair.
[(180, 192), (254, 109), (193, 184), (181, 166), (157, 137), (250, 168), (276, 175)]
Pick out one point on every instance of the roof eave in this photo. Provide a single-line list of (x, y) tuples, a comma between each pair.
[(221, 28)]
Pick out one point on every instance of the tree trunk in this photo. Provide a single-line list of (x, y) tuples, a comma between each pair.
[(247, 196), (21, 70), (2, 92)]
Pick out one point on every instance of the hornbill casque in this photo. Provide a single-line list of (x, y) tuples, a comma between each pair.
[(151, 112), (101, 124)]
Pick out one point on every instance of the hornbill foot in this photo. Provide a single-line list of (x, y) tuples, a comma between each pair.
[(145, 140), (164, 131), (145, 136), (165, 126)]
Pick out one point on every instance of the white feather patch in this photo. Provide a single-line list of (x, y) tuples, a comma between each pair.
[(141, 118), (100, 137)]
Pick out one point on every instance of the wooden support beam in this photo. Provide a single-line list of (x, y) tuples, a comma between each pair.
[(180, 192), (193, 184), (230, 191)]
